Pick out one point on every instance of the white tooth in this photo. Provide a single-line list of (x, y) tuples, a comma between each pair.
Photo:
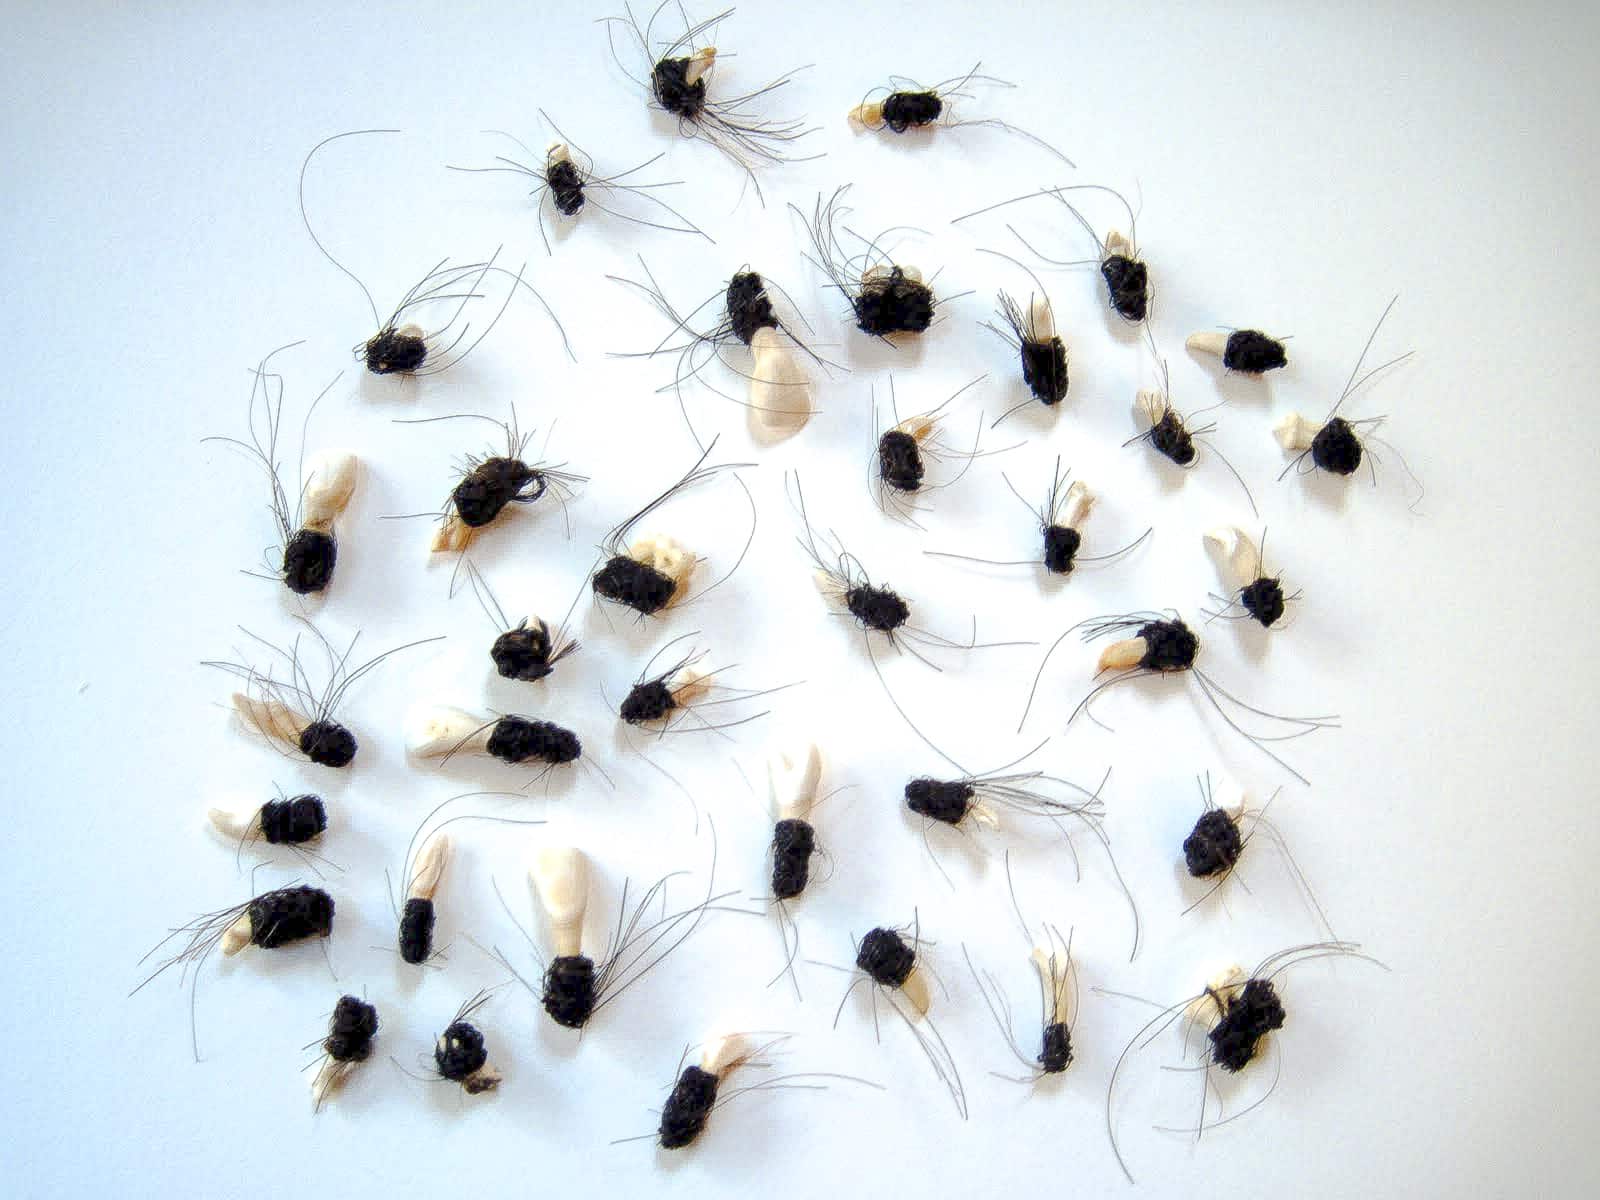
[(1206, 1009), (434, 730), (1041, 320), (272, 719), (330, 1078), (792, 780), (1056, 974), (1241, 557), (1115, 243), (916, 991), (452, 535), (722, 1054), (1209, 342), (1228, 795), (688, 685), (330, 482), (780, 389), (237, 936), (560, 878), (868, 115), (1078, 504), (699, 63), (1151, 406), (429, 868), (235, 826), (1294, 432), (1119, 656), (558, 153), (911, 273)]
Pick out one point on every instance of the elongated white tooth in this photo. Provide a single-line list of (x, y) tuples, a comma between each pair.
[(1041, 318), (868, 115), (920, 428), (330, 482), (272, 719), (434, 730), (1078, 504), (723, 1053), (1240, 556), (1056, 973), (558, 153), (237, 936), (452, 535), (560, 878), (1115, 243), (1209, 342), (428, 871), (1150, 406), (1121, 655), (916, 991), (700, 62), (1207, 1008), (1294, 432), (235, 826), (780, 389), (793, 776)]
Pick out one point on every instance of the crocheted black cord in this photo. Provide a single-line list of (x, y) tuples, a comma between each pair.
[(900, 462), (292, 821), (1253, 352), (289, 914), (1252, 1014), (1336, 447), (569, 995), (350, 1032), (308, 561), (1169, 646), (416, 930), (328, 743), (389, 351), (1263, 599), (906, 110), (687, 1109), (673, 91), (793, 842), (1169, 436), (517, 739), (1061, 548), (1128, 283), (637, 585), (749, 307), (942, 801), (1056, 1054), (877, 608), (1214, 845), (566, 187), (460, 1051), (646, 702), (886, 957), (893, 303), (493, 484), (1044, 370), (523, 652)]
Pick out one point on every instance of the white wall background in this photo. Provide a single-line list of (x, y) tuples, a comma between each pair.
[(1297, 167)]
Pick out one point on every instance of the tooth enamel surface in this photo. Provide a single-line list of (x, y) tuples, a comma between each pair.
[(270, 718), (1240, 556), (1059, 989), (429, 868), (452, 536), (916, 991), (780, 389), (330, 482), (1121, 655), (1041, 320), (435, 730), (1209, 342), (560, 878), (1077, 506), (792, 780), (237, 936), (1294, 432), (723, 1054)]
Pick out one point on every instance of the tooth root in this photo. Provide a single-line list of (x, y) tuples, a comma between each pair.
[(560, 878), (1121, 655), (1294, 432), (432, 731), (558, 153), (1241, 557), (689, 684), (792, 780), (428, 870), (270, 718), (330, 482), (451, 536), (722, 1054), (915, 989), (920, 428), (1209, 342), (1078, 504), (237, 936), (699, 63), (235, 826), (661, 552), (868, 115), (1206, 1009), (780, 389), (1151, 406), (1115, 243), (912, 273), (1041, 319), (983, 814), (1055, 978), (329, 1078)]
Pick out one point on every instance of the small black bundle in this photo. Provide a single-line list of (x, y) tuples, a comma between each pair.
[(327, 743), (416, 930), (1061, 544), (900, 463), (1215, 844), (308, 561), (886, 957), (749, 307), (891, 301), (1055, 1055), (569, 990), (492, 484), (517, 739), (634, 584), (877, 608), (684, 1116), (1253, 352), (1044, 369), (566, 186), (460, 1053), (793, 843), (1263, 599), (1128, 285), (292, 821), (906, 110), (391, 350), (1336, 447), (648, 701), (351, 1030), (524, 652), (1172, 438), (669, 84), (947, 801), (1170, 645), (1252, 1013), (289, 914)]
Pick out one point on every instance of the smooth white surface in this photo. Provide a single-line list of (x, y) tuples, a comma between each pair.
[(1297, 164)]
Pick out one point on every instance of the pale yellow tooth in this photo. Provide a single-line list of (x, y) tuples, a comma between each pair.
[(1208, 1008), (1041, 319), (1078, 504), (452, 535), (1295, 433), (1115, 243), (780, 389), (1121, 655), (237, 936), (722, 1054), (1209, 342), (330, 482), (868, 115), (432, 731), (662, 553), (235, 826), (429, 869), (560, 878), (1056, 974), (1240, 556), (916, 991), (699, 63), (271, 718), (558, 153)]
